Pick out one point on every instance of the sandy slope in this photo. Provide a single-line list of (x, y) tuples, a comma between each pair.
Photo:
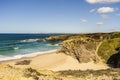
[(73, 64), (56, 62)]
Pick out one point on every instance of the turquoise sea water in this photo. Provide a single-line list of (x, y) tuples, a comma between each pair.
[(13, 46)]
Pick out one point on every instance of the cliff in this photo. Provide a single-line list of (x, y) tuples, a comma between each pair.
[(93, 47), (82, 50)]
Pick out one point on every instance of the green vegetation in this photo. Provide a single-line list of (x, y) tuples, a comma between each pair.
[(114, 73), (115, 35), (95, 36), (11, 73), (24, 62), (57, 38), (108, 48)]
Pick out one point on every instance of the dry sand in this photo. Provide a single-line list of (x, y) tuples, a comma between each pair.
[(56, 62)]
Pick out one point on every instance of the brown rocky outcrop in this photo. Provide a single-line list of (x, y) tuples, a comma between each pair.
[(82, 50)]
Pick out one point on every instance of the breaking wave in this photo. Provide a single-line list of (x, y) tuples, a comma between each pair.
[(4, 58)]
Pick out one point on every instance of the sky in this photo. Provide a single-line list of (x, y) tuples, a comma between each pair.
[(59, 16)]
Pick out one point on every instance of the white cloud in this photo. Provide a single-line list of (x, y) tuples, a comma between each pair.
[(83, 20), (103, 10), (100, 23), (102, 1), (92, 10)]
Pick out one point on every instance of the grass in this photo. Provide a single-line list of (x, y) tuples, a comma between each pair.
[(11, 73), (29, 72), (108, 48), (115, 73), (8, 72)]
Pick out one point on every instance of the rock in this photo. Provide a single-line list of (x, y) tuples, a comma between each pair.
[(114, 60), (56, 38), (39, 40), (81, 50)]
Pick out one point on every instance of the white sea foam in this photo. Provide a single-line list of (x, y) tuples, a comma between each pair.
[(44, 40), (16, 48), (29, 40), (53, 44), (4, 58)]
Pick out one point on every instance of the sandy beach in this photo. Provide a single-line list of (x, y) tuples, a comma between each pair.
[(56, 61)]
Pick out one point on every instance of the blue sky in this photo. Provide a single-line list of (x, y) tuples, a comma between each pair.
[(59, 16)]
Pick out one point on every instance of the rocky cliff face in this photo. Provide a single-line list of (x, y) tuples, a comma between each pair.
[(82, 50), (87, 49)]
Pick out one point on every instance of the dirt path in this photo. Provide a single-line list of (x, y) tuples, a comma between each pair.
[(96, 52)]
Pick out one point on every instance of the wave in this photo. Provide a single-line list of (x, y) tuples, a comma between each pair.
[(29, 40), (8, 48), (56, 44), (4, 58), (52, 44), (16, 48)]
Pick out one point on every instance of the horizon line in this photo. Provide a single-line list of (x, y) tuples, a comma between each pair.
[(54, 32)]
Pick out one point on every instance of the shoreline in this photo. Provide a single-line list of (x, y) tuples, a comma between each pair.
[(25, 56), (35, 60), (56, 62)]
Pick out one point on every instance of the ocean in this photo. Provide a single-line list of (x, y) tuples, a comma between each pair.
[(15, 46)]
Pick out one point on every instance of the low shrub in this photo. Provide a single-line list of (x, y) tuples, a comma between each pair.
[(24, 62), (108, 48), (29, 72)]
